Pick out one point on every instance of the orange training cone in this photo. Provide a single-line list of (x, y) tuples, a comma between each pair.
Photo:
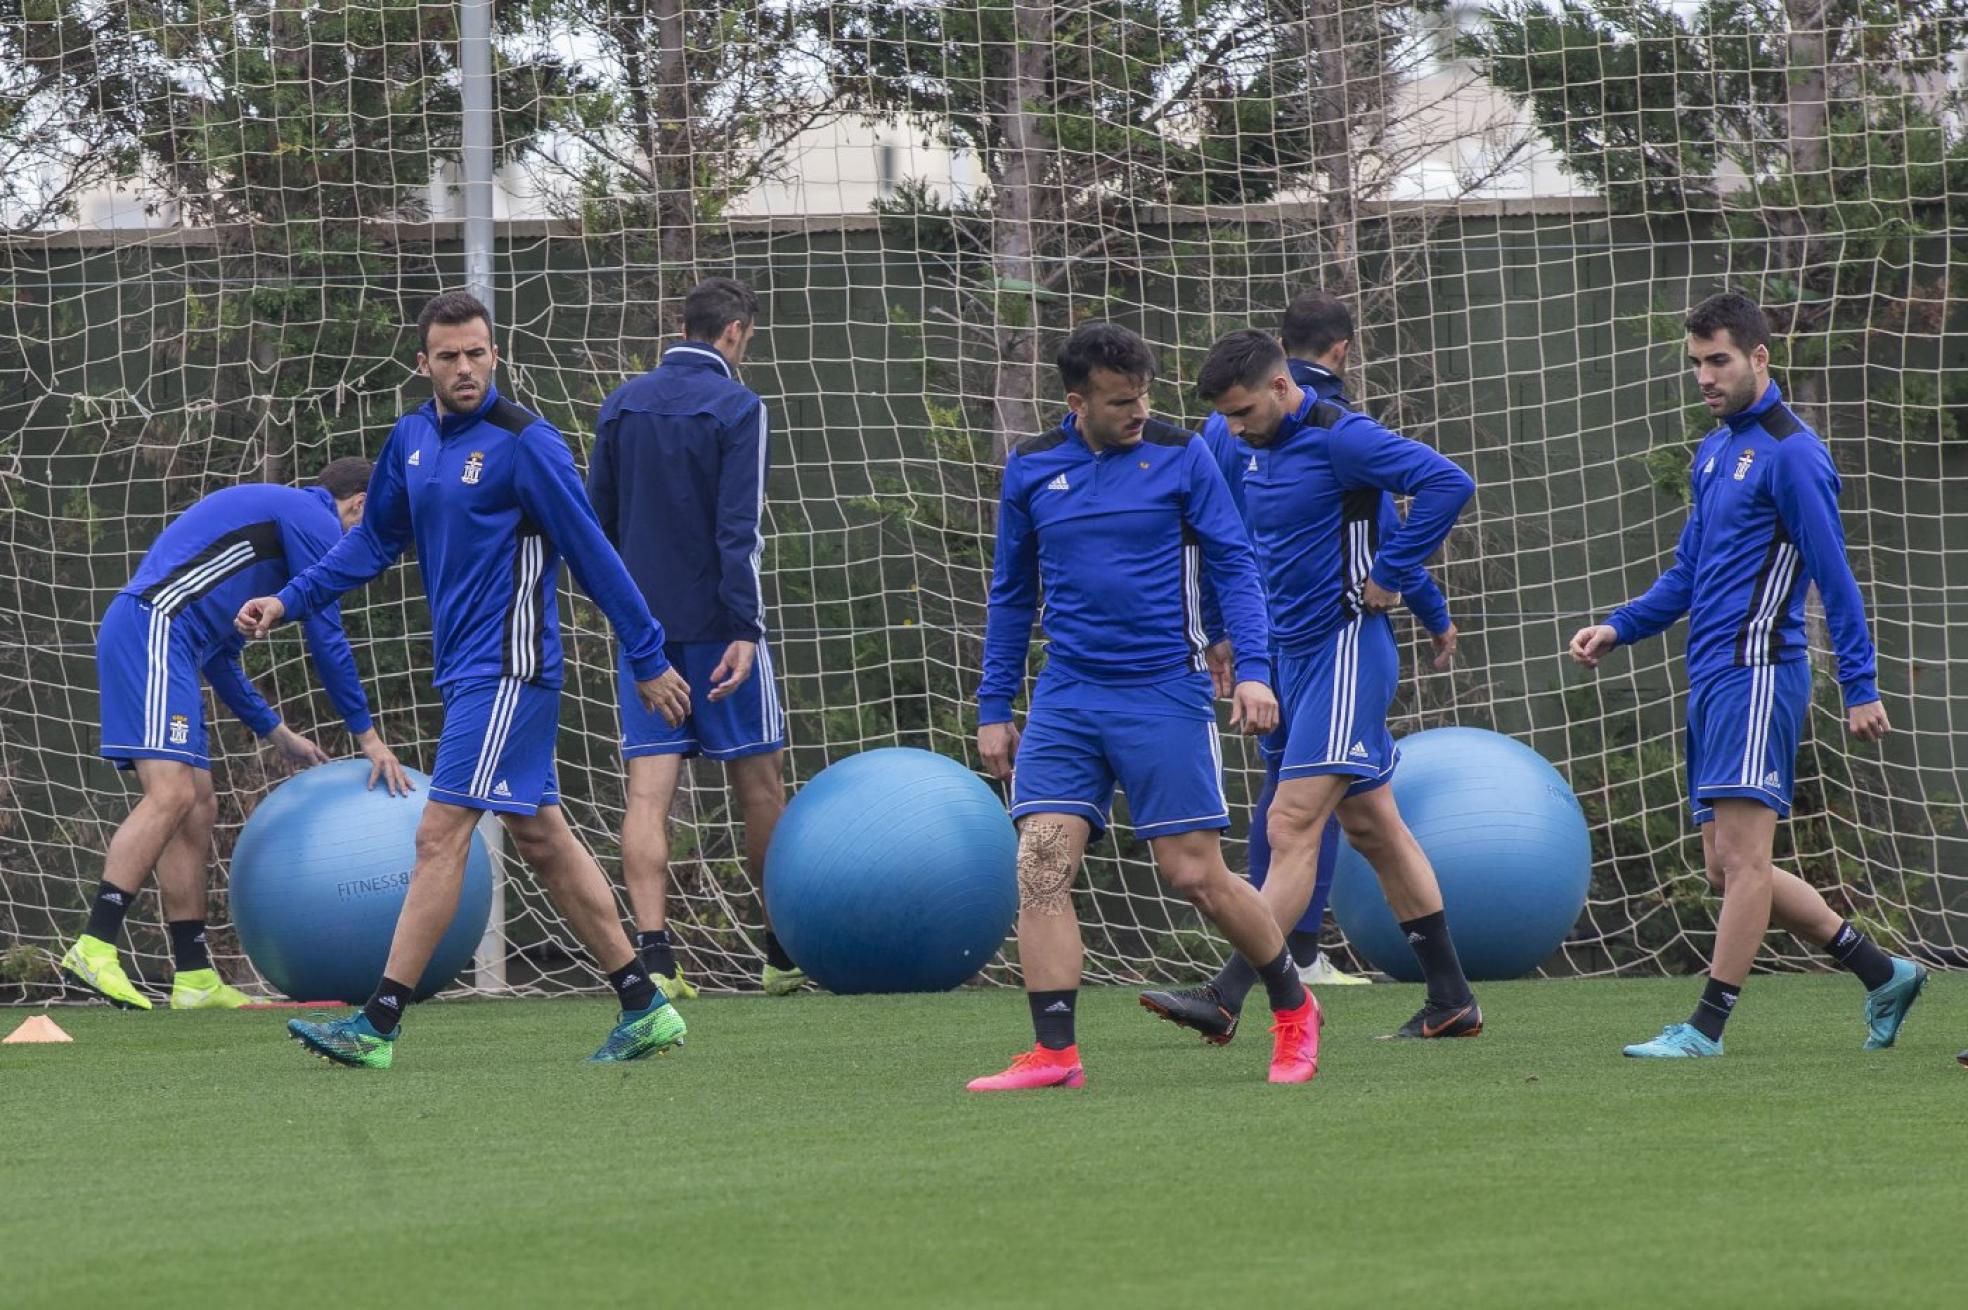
[(38, 1029)]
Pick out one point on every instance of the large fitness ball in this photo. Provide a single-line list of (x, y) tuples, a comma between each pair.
[(1509, 846), (319, 873), (893, 871)]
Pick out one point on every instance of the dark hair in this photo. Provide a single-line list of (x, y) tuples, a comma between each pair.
[(715, 304), (1314, 323), (1109, 346), (346, 476), (1245, 358), (1734, 313), (450, 308)]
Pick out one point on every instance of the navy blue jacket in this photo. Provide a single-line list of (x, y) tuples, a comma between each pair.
[(677, 478), (493, 502)]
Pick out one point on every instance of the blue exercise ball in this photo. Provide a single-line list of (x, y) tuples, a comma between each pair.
[(1510, 849), (894, 870), (318, 876)]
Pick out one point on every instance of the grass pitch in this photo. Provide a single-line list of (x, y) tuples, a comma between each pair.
[(820, 1151)]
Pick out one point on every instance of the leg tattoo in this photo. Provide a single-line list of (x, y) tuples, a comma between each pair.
[(1045, 871)]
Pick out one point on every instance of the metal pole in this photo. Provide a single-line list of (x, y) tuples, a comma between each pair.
[(475, 60)]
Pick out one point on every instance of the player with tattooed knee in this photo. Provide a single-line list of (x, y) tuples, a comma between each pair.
[(1115, 518)]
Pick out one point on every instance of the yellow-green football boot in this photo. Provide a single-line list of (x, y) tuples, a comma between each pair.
[(203, 989), (674, 986), (92, 962), (782, 982)]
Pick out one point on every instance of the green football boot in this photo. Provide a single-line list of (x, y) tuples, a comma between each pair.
[(782, 982), (353, 1041), (203, 989), (92, 962), (642, 1032), (1888, 1003), (1678, 1041)]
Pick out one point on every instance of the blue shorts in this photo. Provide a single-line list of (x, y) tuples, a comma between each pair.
[(1744, 726), (1333, 706), (1170, 767), (750, 721), (152, 702), (496, 750)]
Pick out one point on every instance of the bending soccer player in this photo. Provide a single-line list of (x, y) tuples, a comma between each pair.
[(172, 623), (1762, 526), (678, 478), (1113, 517), (489, 493), (1317, 334), (1315, 483)]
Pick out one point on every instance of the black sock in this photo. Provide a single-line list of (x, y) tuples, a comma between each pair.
[(1233, 983), (1281, 981), (385, 1009), (1052, 1017), (188, 944), (1304, 947), (106, 914), (658, 956), (1855, 951), (1435, 949), (775, 954), (1718, 1002), (633, 987)]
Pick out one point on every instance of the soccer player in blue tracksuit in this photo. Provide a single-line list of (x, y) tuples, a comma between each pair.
[(1314, 501), (1762, 526), (171, 624), (678, 479), (1317, 335), (1115, 518), (489, 494)]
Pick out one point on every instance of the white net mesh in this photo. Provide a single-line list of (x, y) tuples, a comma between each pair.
[(216, 220)]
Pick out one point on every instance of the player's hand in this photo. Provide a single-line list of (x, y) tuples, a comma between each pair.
[(1376, 599), (1220, 661), (1253, 708), (733, 668), (259, 616), (666, 694), (1590, 645), (1445, 646), (998, 744), (383, 764), (296, 751), (1868, 721)]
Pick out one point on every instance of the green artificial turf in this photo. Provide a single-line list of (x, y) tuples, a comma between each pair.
[(820, 1151)]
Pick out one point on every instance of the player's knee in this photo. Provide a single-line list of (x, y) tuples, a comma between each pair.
[(442, 835), (532, 841), (1366, 831), (1732, 869), (175, 794), (1291, 821), (203, 815), (1046, 868), (1718, 878), (1194, 881)]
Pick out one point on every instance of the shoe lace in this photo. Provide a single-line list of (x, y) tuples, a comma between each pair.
[(1032, 1059), (1289, 1029)]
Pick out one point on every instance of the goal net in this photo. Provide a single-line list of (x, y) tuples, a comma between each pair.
[(217, 224)]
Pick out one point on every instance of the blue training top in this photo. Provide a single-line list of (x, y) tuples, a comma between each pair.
[(235, 544), (1764, 522), (493, 502), (1317, 502), (1118, 540)]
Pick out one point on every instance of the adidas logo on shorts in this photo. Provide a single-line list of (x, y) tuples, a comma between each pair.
[(1358, 752), (1771, 779), (502, 791)]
